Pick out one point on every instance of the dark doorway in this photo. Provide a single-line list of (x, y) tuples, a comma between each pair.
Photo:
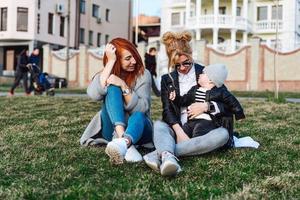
[(10, 56)]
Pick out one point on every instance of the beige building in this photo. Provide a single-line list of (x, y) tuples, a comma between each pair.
[(100, 21), (33, 23), (227, 25)]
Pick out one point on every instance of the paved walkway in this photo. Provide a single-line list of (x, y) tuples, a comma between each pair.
[(18, 94), (292, 100)]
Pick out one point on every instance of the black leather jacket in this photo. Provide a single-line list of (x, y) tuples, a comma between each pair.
[(171, 109), (221, 94)]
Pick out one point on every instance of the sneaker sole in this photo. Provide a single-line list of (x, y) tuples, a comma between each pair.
[(152, 165), (169, 169), (114, 154)]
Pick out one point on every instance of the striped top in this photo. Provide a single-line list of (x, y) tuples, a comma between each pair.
[(200, 97)]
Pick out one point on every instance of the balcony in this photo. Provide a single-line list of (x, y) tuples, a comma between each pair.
[(225, 47), (222, 21), (175, 3), (268, 26)]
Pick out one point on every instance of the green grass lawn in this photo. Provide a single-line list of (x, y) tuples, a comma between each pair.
[(41, 157), (263, 94)]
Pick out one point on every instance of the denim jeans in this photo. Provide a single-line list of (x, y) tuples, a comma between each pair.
[(163, 138), (138, 127)]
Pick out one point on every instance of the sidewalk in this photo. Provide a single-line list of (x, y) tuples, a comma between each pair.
[(3, 94), (19, 94)]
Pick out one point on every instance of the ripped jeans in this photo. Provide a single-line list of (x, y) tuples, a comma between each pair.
[(138, 126), (164, 140)]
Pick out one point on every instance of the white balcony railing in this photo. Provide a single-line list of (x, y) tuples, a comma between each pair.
[(175, 3), (268, 26), (283, 46), (222, 21), (225, 47)]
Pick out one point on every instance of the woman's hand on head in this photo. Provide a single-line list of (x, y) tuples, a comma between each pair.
[(110, 51), (115, 80), (196, 109)]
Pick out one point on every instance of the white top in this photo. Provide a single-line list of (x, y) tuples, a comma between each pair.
[(186, 81)]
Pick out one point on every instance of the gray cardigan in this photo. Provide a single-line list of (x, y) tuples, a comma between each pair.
[(140, 101)]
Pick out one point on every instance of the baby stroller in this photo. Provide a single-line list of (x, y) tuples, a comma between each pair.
[(40, 81)]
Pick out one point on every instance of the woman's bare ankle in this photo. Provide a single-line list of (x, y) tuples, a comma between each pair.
[(119, 130)]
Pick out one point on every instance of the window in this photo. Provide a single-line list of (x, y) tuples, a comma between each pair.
[(38, 23), (221, 40), (81, 36), (3, 18), (90, 37), (95, 11), (39, 4), (62, 27), (106, 39), (82, 6), (99, 39), (274, 12), (175, 19), (22, 19), (107, 11), (262, 13), (238, 11), (50, 23), (222, 10)]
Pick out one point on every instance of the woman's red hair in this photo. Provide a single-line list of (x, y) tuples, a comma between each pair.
[(130, 77)]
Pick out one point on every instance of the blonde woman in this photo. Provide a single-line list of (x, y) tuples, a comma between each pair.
[(169, 138)]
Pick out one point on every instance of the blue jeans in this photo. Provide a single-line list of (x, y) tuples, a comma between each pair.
[(164, 140), (138, 127)]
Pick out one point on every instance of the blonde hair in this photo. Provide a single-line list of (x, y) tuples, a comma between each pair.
[(177, 44)]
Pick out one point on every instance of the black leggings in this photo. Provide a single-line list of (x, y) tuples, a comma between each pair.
[(19, 76)]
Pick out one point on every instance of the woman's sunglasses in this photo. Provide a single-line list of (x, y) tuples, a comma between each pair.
[(185, 64)]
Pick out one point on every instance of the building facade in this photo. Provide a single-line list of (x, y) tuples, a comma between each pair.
[(100, 21), (228, 24), (148, 29), (33, 23)]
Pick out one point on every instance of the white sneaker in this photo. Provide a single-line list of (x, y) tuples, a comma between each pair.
[(132, 155), (116, 150), (152, 160), (169, 166)]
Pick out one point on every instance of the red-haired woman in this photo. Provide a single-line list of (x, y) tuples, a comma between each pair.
[(124, 85)]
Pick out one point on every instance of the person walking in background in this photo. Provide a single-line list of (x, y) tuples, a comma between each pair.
[(21, 72), (34, 60), (150, 63)]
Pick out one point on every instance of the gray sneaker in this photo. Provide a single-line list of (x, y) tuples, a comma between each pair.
[(133, 155), (169, 166), (152, 160)]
